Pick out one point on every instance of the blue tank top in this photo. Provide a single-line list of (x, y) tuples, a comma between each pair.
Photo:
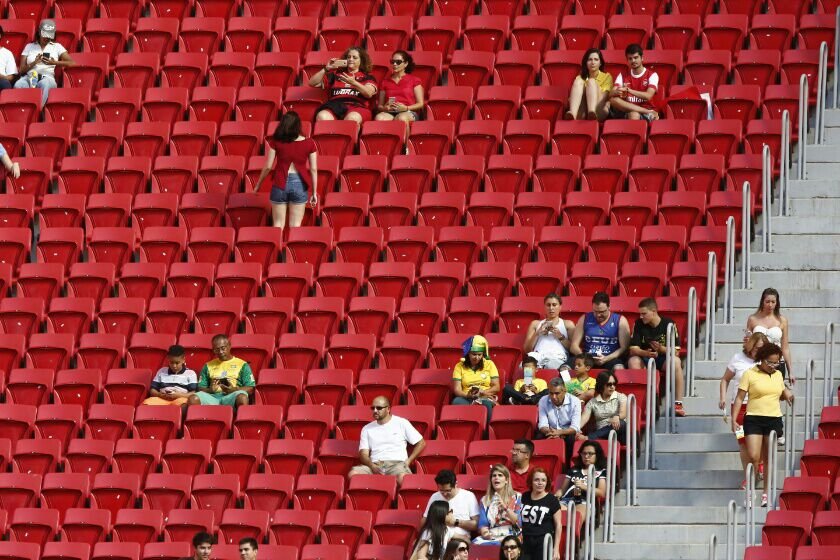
[(600, 339)]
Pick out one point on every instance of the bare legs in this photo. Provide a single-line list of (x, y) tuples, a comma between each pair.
[(586, 100), (295, 211), (634, 112)]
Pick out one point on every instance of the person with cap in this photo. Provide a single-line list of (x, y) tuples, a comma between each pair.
[(8, 68), (475, 379), (39, 60)]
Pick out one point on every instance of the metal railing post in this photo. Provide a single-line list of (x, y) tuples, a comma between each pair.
[(650, 416), (691, 341), (589, 548), (711, 306), (670, 379), (713, 547), (822, 77), (836, 53), (790, 438), (803, 127), (612, 474), (766, 198), (771, 477), (784, 167), (749, 511), (631, 461), (571, 523), (746, 235), (828, 366), (731, 529), (810, 417), (729, 271)]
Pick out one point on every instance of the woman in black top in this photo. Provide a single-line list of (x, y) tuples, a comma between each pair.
[(541, 516), (574, 487)]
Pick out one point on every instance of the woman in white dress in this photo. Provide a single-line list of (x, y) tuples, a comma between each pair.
[(769, 321), (548, 339)]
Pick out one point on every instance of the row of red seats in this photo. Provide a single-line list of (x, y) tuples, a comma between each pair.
[(809, 493)]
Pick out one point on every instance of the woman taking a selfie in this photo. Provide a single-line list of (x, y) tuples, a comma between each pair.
[(350, 86)]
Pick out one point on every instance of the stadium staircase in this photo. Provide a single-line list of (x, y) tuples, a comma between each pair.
[(683, 502)]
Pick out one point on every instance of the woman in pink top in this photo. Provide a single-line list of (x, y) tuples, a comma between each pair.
[(289, 156), (401, 93)]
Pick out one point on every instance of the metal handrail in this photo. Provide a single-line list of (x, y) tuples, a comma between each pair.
[(691, 341), (790, 438), (650, 418), (749, 511), (822, 77), (731, 529), (713, 547), (803, 128), (766, 202), (784, 164), (631, 463), (670, 378), (589, 545), (612, 475), (571, 523), (810, 417), (772, 474), (836, 51), (711, 305), (746, 234), (729, 271), (828, 365)]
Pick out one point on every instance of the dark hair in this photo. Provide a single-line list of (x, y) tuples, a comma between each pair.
[(201, 538), (600, 458), (176, 351), (445, 477), (289, 128), (601, 297), (634, 48), (529, 360), (409, 60), (588, 360), (365, 64), (602, 380), (553, 295), (584, 70), (529, 445), (777, 311), (436, 526), (535, 471), (766, 351), (250, 541), (649, 303), (452, 548), (502, 547)]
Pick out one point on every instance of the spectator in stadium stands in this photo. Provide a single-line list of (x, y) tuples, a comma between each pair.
[(559, 415), (500, 508), (350, 86), (290, 157), (590, 94), (511, 549), (175, 384), (401, 96), (520, 460), (248, 548), (202, 546), (740, 362), (39, 59), (541, 516), (574, 487), (608, 408), (435, 532), (765, 386), (650, 334), (382, 445), (8, 68), (632, 93), (11, 166), (768, 320), (548, 339), (528, 389), (462, 503), (475, 379), (602, 334), (581, 385), (224, 380), (457, 550)]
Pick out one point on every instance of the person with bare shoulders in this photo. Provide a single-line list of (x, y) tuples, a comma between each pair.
[(769, 321), (590, 94), (602, 334), (548, 339)]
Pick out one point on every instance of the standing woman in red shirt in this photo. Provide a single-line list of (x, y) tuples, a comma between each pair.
[(350, 86), (401, 94), (290, 155)]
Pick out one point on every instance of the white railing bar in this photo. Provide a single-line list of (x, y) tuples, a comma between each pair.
[(746, 235), (612, 473), (766, 197), (836, 52), (631, 464), (670, 379), (749, 511), (810, 419), (790, 438), (571, 524), (729, 271), (691, 341), (650, 416), (784, 159), (731, 529), (771, 477), (828, 365), (712, 547), (822, 76), (803, 127), (711, 306), (589, 548)]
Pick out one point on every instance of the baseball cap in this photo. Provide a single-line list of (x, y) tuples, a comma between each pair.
[(47, 28)]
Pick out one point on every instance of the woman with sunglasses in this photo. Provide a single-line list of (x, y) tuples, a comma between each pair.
[(350, 84), (511, 549), (500, 508), (608, 408), (401, 93), (541, 516), (574, 488), (435, 533), (457, 550), (765, 386)]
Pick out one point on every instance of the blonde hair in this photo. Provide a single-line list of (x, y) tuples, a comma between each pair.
[(507, 493), (753, 340)]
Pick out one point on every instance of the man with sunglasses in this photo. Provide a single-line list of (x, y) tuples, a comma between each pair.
[(382, 445)]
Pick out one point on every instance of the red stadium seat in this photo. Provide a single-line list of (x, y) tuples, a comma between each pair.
[(165, 492), (183, 523), (85, 525), (137, 526), (483, 454), (295, 528), (581, 32), (371, 493), (786, 528), (319, 492), (113, 492)]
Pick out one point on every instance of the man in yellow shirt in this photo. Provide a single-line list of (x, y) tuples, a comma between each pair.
[(225, 380), (475, 379), (529, 388)]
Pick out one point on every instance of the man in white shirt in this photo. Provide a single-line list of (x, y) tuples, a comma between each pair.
[(42, 56), (382, 445), (463, 503), (8, 68)]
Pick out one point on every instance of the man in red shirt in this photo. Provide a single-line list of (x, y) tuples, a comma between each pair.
[(520, 459), (632, 94)]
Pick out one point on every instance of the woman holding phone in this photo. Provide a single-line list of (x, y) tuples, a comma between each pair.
[(475, 379), (39, 60), (350, 86), (401, 95)]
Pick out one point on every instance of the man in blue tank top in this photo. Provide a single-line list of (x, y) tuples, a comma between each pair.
[(602, 334)]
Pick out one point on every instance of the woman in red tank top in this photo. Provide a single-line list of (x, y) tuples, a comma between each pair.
[(291, 157)]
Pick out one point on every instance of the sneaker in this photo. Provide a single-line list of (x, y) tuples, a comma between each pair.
[(764, 500), (678, 409), (761, 471), (744, 484), (781, 441)]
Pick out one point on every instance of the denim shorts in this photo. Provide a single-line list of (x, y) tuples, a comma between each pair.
[(294, 193)]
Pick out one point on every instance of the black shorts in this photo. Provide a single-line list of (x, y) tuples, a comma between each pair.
[(763, 425)]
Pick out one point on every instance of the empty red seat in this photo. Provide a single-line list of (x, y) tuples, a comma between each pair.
[(319, 492), (289, 456), (182, 523), (165, 492), (137, 526), (587, 209), (786, 528), (186, 456), (581, 32), (587, 278), (481, 455), (113, 492), (109, 421)]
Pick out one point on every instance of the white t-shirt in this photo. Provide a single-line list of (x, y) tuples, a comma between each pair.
[(386, 442), (739, 363), (7, 62), (32, 50), (426, 536), (464, 507)]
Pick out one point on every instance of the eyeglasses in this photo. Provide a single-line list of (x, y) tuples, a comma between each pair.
[(613, 384), (378, 407), (773, 364), (511, 547), (463, 549), (587, 453), (397, 61)]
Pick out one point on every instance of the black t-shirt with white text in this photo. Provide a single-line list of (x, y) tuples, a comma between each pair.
[(538, 516)]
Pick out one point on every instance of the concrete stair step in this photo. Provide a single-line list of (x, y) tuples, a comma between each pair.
[(805, 290), (800, 332), (678, 443), (697, 497), (800, 350), (799, 315), (719, 461), (786, 225), (822, 153), (711, 424), (725, 480), (713, 369), (646, 551), (676, 534), (796, 261), (816, 189), (819, 171), (815, 207), (792, 242)]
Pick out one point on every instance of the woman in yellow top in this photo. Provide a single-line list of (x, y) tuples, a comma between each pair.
[(765, 387), (590, 91), (475, 379)]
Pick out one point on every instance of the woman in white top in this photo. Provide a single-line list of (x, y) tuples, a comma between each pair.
[(8, 68), (11, 166), (42, 56), (548, 339), (435, 532), (768, 320), (740, 362)]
